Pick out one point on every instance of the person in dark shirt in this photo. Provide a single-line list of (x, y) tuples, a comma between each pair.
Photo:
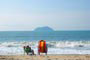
[(28, 50)]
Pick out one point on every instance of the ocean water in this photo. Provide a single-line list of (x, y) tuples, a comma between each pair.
[(48, 36), (58, 42)]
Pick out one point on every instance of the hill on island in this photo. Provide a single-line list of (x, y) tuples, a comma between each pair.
[(46, 28)]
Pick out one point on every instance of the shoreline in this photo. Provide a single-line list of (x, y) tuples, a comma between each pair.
[(46, 57)]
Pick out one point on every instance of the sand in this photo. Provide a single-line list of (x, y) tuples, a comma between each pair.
[(48, 57)]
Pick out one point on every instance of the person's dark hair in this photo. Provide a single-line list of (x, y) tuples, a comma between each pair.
[(41, 40), (27, 45)]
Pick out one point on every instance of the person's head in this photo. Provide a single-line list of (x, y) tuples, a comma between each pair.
[(41, 41), (27, 45)]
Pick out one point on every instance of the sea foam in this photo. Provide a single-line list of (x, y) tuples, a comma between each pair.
[(54, 47)]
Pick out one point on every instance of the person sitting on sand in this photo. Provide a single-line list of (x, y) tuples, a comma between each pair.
[(24, 49), (28, 50)]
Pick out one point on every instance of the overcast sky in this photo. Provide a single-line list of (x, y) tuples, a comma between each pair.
[(57, 14)]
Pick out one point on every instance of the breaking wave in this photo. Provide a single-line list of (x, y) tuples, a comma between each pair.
[(50, 44), (54, 47)]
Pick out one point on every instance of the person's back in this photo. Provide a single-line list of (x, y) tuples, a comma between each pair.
[(42, 47)]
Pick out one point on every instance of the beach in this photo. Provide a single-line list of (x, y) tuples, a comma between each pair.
[(14, 51), (44, 29), (44, 57), (11, 45)]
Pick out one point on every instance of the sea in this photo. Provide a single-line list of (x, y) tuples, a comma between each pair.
[(58, 42)]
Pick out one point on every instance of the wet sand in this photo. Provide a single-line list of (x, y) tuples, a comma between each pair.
[(48, 57)]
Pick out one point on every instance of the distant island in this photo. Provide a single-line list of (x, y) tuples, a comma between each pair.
[(46, 29)]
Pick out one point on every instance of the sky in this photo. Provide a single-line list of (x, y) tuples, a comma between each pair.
[(26, 15)]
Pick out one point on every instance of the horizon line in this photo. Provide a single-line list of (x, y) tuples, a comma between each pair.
[(44, 31)]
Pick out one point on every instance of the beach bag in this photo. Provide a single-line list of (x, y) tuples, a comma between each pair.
[(42, 46)]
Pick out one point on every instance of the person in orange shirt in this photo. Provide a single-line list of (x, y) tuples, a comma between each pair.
[(42, 47)]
